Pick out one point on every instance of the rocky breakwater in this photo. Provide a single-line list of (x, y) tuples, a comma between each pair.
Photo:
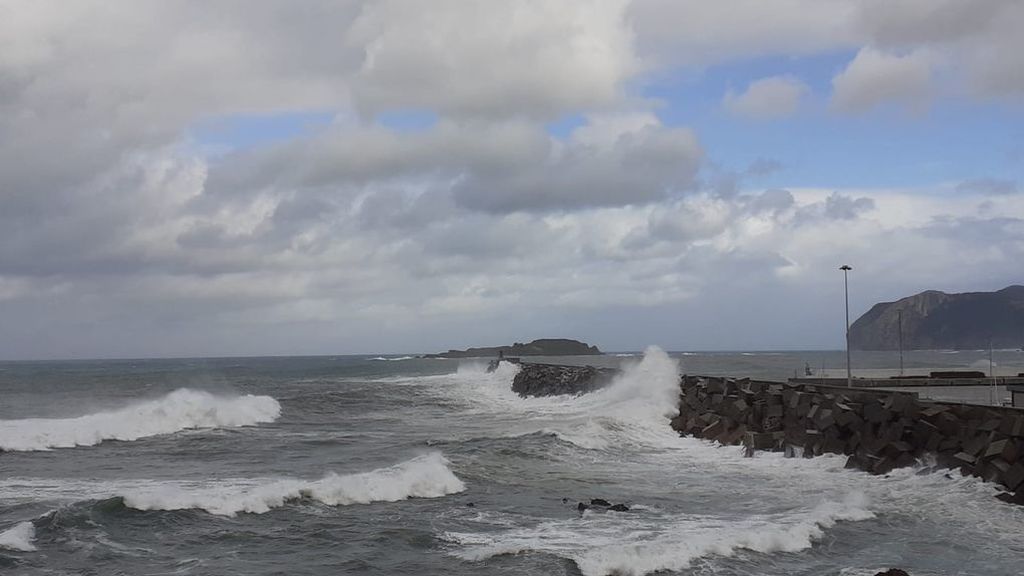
[(877, 430), (555, 380)]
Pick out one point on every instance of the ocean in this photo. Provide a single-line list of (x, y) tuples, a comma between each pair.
[(400, 465)]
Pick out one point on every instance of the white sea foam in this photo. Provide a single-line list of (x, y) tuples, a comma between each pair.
[(426, 476), (180, 410), (633, 410), (395, 359), (627, 544), (19, 537)]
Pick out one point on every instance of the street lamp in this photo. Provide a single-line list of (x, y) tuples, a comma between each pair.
[(846, 285)]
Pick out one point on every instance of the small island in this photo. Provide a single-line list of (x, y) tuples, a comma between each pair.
[(541, 347)]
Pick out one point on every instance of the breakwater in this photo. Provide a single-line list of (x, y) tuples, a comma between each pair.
[(878, 430), (555, 380)]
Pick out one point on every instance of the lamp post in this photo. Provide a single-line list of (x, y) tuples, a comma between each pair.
[(846, 286), (900, 319)]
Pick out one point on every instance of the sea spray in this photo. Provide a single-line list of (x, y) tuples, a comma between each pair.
[(426, 476), (19, 537), (179, 410), (633, 411)]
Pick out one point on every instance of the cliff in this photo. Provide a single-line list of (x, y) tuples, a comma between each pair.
[(934, 320), (541, 347)]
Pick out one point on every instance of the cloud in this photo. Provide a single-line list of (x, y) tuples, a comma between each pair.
[(635, 167), (767, 99), (122, 236), (873, 78), (698, 33), (512, 58), (981, 40), (988, 186)]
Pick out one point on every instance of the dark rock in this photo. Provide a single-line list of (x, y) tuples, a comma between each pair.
[(470, 504), (619, 508), (893, 572), (552, 380), (599, 502), (582, 507)]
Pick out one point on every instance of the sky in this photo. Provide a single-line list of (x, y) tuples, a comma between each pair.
[(251, 177)]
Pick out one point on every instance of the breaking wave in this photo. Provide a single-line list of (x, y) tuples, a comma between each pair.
[(612, 543), (19, 537), (426, 476), (633, 411), (394, 359), (180, 410)]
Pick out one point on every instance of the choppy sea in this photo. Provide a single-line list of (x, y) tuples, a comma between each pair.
[(398, 465)]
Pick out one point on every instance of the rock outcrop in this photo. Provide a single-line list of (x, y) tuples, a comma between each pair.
[(935, 320), (551, 380), (541, 347)]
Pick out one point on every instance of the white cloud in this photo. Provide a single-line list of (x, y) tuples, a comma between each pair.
[(699, 33), (873, 78), (479, 57), (767, 98), (118, 238)]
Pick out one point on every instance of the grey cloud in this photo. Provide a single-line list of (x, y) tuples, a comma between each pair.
[(841, 207), (875, 77), (638, 168), (773, 200), (1003, 233), (767, 98), (988, 186), (554, 58)]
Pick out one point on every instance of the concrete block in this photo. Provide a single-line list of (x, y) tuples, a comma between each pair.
[(1005, 449), (824, 419), (712, 430), (975, 446), (873, 412), (759, 441), (740, 406), (1001, 465), (965, 458), (949, 444), (1014, 477), (933, 410), (812, 414), (990, 425), (882, 465), (901, 446)]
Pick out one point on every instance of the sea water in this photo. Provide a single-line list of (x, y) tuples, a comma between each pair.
[(399, 465)]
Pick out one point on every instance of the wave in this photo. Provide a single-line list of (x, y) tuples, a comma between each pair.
[(396, 359), (426, 476), (19, 537), (621, 544), (632, 411), (180, 410)]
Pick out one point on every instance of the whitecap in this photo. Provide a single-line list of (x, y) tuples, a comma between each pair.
[(19, 537), (426, 476), (180, 410), (628, 544)]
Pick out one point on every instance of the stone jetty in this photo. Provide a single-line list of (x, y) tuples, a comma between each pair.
[(877, 430), (553, 380)]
